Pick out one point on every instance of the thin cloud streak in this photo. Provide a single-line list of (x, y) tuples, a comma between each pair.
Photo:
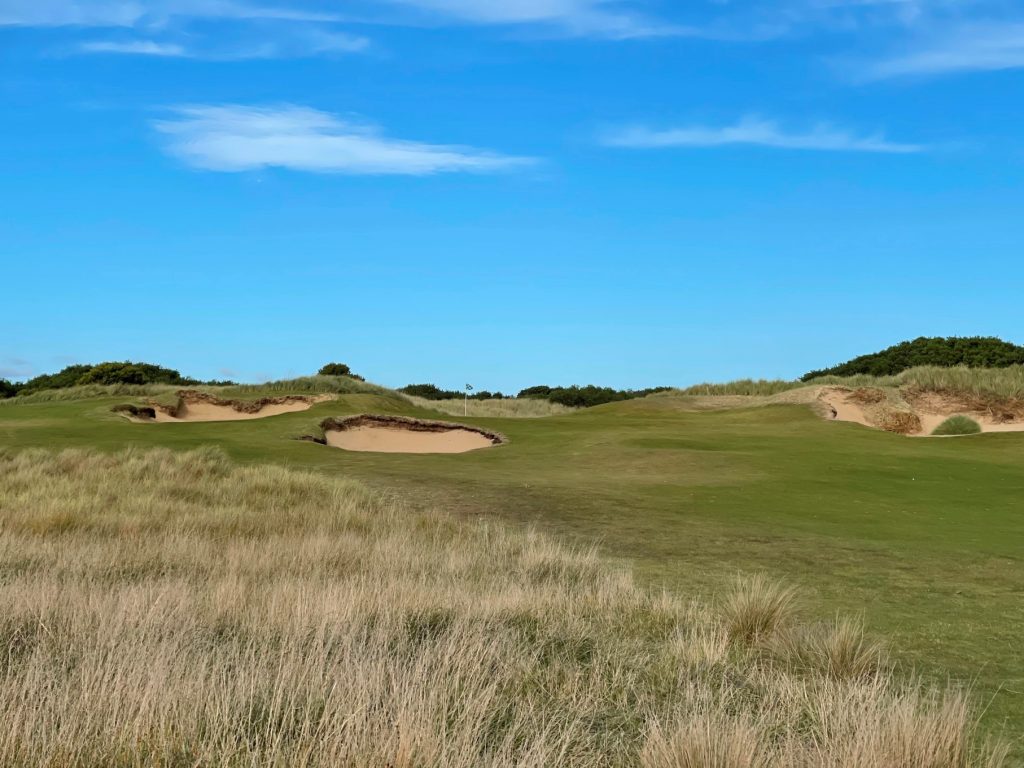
[(134, 47), (754, 131), (236, 138), (611, 19), (971, 48), (289, 45)]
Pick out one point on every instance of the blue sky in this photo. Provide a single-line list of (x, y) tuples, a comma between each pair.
[(531, 191)]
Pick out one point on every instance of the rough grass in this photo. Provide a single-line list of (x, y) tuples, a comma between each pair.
[(343, 385), (750, 387), (509, 407), (957, 425), (1005, 383), (340, 385), (174, 609), (980, 382), (88, 391)]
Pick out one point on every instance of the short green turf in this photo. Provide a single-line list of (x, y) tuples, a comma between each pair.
[(924, 538)]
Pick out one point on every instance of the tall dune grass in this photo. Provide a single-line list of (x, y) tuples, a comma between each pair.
[(751, 387), (509, 407), (980, 382), (177, 610), (343, 385), (87, 391)]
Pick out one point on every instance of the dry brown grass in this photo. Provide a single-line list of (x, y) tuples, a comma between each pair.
[(506, 408), (177, 610), (899, 421)]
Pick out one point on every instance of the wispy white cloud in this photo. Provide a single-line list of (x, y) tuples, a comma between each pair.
[(295, 43), (134, 47), (257, 30), (964, 48), (617, 19), (128, 13), (238, 138), (56, 13), (756, 132)]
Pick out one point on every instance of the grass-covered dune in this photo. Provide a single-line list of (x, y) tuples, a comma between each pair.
[(923, 539), (178, 609)]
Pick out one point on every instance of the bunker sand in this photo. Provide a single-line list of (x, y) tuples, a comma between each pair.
[(396, 434), (926, 411), (201, 406)]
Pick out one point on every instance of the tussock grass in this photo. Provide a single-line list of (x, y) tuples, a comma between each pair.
[(507, 408), (1006, 383), (174, 609), (87, 391), (980, 382), (748, 387), (340, 385), (957, 425), (758, 608)]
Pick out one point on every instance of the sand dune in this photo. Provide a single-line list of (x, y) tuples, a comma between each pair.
[(925, 412), (202, 406)]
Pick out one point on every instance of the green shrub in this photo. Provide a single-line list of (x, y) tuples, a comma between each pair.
[(433, 392), (972, 352), (8, 389), (587, 396), (109, 374), (335, 369), (957, 425)]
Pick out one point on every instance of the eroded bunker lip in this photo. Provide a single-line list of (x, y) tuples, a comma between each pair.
[(915, 412), (203, 406), (400, 434)]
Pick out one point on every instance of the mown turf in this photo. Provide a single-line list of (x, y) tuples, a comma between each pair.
[(925, 538)]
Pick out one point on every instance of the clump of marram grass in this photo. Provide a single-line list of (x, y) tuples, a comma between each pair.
[(176, 609), (756, 608), (508, 407), (839, 650), (957, 425)]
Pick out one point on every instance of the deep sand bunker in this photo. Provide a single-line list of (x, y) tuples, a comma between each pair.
[(201, 406), (398, 434), (916, 413)]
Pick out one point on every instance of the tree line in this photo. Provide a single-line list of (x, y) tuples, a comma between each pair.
[(948, 352), (102, 373), (573, 397)]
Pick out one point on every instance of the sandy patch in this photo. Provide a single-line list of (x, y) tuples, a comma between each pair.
[(201, 406), (839, 407), (397, 434), (917, 416), (397, 440), (211, 412)]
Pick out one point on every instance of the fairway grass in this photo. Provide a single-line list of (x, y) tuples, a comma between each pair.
[(175, 608), (922, 539)]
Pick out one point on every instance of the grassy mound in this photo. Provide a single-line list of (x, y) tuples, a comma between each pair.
[(163, 608), (970, 351), (507, 408), (957, 425)]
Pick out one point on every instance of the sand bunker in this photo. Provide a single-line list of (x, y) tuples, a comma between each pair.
[(916, 414), (201, 406), (397, 434)]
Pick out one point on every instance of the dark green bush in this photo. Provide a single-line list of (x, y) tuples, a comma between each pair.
[(957, 425), (433, 392), (111, 373), (585, 397), (335, 369), (971, 351), (8, 389)]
